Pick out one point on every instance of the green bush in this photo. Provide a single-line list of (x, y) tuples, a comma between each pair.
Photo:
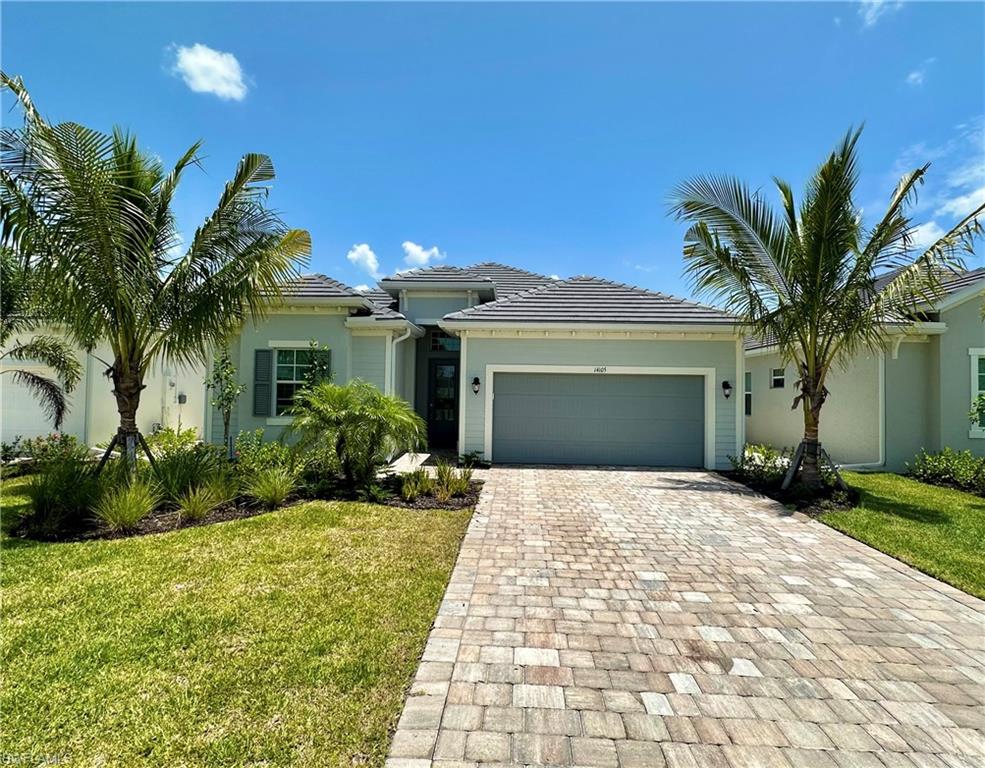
[(53, 447), (169, 441), (186, 468), (415, 484), (761, 465), (271, 486), (196, 503), (254, 455), (462, 482), (950, 468), (125, 505), (62, 493)]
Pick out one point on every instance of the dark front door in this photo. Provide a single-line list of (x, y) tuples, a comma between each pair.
[(443, 403)]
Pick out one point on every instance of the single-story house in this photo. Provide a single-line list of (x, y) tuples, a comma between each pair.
[(512, 365), (174, 394), (886, 406)]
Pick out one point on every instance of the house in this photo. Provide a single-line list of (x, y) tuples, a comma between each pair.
[(173, 394), (886, 406), (512, 365)]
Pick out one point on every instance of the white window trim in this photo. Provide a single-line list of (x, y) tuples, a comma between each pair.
[(782, 377), (602, 370), (976, 432)]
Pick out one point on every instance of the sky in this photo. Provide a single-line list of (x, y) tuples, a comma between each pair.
[(546, 136)]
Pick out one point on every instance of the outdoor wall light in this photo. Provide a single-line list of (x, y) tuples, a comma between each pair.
[(475, 385), (726, 389)]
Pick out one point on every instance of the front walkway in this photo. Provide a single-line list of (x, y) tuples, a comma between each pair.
[(620, 618)]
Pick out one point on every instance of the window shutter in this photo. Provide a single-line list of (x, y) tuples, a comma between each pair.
[(263, 374)]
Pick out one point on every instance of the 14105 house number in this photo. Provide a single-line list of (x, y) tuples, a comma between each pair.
[(600, 369)]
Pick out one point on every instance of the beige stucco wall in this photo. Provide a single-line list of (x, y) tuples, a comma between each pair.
[(965, 330), (849, 418)]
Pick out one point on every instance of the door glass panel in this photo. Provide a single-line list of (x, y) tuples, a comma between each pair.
[(444, 392)]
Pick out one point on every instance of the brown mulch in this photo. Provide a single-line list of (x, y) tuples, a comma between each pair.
[(429, 502), (797, 498), (165, 520)]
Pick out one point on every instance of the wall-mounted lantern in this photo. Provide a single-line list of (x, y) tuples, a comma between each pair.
[(475, 385), (726, 389)]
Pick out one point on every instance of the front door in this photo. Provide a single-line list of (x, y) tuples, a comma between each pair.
[(443, 403)]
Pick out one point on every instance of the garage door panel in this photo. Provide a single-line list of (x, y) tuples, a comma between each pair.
[(596, 419)]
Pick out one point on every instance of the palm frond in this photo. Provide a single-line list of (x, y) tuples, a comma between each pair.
[(51, 396), (51, 352)]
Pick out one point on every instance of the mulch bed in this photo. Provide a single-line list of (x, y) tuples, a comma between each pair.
[(798, 498), (429, 502)]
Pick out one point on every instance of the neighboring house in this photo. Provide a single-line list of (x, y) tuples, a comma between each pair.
[(888, 405), (172, 394), (512, 365)]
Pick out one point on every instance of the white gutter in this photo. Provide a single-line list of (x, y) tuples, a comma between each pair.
[(724, 328), (393, 356)]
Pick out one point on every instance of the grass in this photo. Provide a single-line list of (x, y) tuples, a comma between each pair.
[(283, 639), (937, 530)]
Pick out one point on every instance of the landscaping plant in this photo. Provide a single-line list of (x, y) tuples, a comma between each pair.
[(365, 427), (415, 484), (62, 492), (950, 468), (253, 454), (94, 213), (226, 389), (761, 465), (126, 504), (197, 502), (181, 471), (271, 486), (168, 440), (813, 279)]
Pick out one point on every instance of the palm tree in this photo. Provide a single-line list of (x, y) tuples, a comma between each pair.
[(814, 280), (93, 213), (16, 317), (364, 427)]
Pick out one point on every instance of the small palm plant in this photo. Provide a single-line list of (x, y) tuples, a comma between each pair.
[(813, 279), (365, 427)]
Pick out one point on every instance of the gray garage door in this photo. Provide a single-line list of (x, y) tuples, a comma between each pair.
[(553, 418)]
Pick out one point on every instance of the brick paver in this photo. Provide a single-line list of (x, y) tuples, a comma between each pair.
[(636, 618)]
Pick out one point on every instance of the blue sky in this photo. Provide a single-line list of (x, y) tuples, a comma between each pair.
[(546, 136)]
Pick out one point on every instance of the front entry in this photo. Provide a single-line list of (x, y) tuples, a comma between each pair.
[(442, 403)]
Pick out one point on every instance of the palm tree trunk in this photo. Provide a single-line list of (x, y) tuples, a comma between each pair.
[(813, 393), (127, 386)]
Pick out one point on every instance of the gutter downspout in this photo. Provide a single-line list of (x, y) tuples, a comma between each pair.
[(393, 351)]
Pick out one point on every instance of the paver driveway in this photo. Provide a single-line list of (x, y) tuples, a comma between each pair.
[(604, 618)]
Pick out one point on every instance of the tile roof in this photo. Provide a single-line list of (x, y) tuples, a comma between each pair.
[(591, 300), (317, 286), (509, 280), (442, 273)]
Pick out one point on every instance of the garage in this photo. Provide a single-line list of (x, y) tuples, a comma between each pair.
[(611, 419)]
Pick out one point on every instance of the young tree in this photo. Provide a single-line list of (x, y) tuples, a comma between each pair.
[(93, 213), (226, 389), (813, 279), (17, 315)]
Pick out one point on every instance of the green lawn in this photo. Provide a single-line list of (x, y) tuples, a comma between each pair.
[(938, 530), (285, 639)]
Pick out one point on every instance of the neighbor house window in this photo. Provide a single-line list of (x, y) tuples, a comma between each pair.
[(293, 367), (778, 378), (748, 393), (977, 387)]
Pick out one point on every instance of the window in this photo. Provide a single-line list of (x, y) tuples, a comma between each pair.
[(443, 342), (977, 387), (748, 393), (778, 378), (293, 366)]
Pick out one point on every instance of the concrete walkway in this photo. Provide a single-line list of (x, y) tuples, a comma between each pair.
[(621, 618)]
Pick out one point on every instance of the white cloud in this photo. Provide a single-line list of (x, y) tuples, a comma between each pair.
[(926, 235), (919, 75), (362, 287), (418, 256), (206, 70), (963, 204), (363, 257), (873, 10), (837, 21)]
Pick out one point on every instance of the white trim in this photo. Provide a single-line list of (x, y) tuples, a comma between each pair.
[(316, 309), (462, 391), (882, 408), (645, 330), (393, 374), (960, 297), (281, 344), (427, 320), (602, 370), (388, 365), (739, 390), (278, 421), (975, 431)]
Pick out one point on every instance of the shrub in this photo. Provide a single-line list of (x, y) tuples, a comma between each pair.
[(956, 469), (254, 455), (448, 482), (415, 484), (53, 447), (271, 486), (761, 465), (122, 507), (364, 427), (12, 450), (374, 493), (62, 494), (168, 441), (196, 503), (185, 469), (462, 482)]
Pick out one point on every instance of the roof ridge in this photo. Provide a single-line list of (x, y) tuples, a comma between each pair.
[(509, 299)]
